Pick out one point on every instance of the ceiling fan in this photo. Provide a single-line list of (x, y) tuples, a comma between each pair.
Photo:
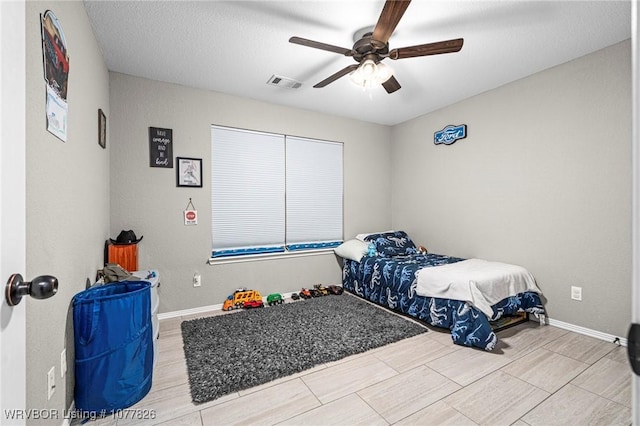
[(372, 47)]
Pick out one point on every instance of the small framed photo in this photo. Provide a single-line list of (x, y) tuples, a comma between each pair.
[(102, 129), (189, 172)]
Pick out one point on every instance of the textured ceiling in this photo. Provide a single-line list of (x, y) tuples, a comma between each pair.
[(234, 47)]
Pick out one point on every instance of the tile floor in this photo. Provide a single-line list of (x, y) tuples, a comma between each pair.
[(537, 375)]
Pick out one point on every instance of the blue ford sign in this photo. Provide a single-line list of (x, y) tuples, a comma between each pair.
[(450, 134)]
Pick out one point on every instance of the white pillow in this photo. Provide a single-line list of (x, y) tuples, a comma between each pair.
[(352, 249)]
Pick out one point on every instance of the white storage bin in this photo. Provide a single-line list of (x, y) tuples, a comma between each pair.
[(153, 277)]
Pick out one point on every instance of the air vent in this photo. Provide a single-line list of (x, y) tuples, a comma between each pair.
[(280, 81)]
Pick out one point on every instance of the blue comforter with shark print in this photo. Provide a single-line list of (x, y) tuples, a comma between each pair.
[(391, 282)]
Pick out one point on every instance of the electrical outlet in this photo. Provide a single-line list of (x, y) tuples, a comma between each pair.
[(63, 363), (576, 293), (197, 280), (51, 382)]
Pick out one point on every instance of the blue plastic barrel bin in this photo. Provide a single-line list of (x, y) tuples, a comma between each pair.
[(113, 346)]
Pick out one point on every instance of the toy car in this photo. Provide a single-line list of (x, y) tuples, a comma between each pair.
[(253, 304), (295, 296), (239, 297), (274, 299), (321, 289), (335, 289), (305, 294)]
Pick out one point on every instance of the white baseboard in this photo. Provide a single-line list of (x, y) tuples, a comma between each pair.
[(556, 323), (193, 311), (588, 332), (205, 309)]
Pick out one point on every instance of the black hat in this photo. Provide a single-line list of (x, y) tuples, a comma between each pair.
[(126, 237)]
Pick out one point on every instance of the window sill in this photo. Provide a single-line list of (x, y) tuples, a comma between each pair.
[(268, 256)]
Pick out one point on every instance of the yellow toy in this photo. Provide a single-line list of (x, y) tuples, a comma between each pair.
[(239, 297)]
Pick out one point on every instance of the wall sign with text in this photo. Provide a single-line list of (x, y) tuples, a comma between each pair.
[(160, 147), (450, 134), (190, 214)]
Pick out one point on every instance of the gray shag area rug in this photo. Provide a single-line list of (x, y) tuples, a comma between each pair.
[(228, 353)]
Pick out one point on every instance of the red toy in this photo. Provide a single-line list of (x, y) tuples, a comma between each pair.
[(305, 294), (253, 304)]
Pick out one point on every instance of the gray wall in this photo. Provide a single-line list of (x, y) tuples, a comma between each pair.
[(147, 200), (543, 180), (67, 196)]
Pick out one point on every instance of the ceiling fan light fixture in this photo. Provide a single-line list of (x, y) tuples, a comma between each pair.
[(369, 73), (383, 73), (368, 69)]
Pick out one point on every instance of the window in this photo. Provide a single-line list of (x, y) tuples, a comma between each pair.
[(273, 193)]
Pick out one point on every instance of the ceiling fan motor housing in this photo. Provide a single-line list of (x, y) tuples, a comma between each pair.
[(365, 49)]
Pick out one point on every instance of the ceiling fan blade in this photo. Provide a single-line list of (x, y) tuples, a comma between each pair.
[(337, 75), (437, 48), (389, 18), (391, 85), (322, 46)]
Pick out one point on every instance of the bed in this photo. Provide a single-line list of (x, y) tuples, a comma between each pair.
[(384, 268)]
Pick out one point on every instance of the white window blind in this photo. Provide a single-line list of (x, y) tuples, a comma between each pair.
[(314, 191), (273, 193), (247, 189)]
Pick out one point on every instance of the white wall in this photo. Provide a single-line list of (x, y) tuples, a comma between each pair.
[(542, 180), (147, 200), (67, 196)]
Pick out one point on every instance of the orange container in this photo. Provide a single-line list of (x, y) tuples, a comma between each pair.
[(125, 255)]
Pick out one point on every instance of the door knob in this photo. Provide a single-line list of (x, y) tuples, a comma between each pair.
[(633, 347), (41, 287)]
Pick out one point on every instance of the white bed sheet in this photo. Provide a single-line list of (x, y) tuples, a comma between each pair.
[(479, 282)]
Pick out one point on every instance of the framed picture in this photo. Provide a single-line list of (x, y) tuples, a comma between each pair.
[(160, 147), (189, 172), (102, 129)]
